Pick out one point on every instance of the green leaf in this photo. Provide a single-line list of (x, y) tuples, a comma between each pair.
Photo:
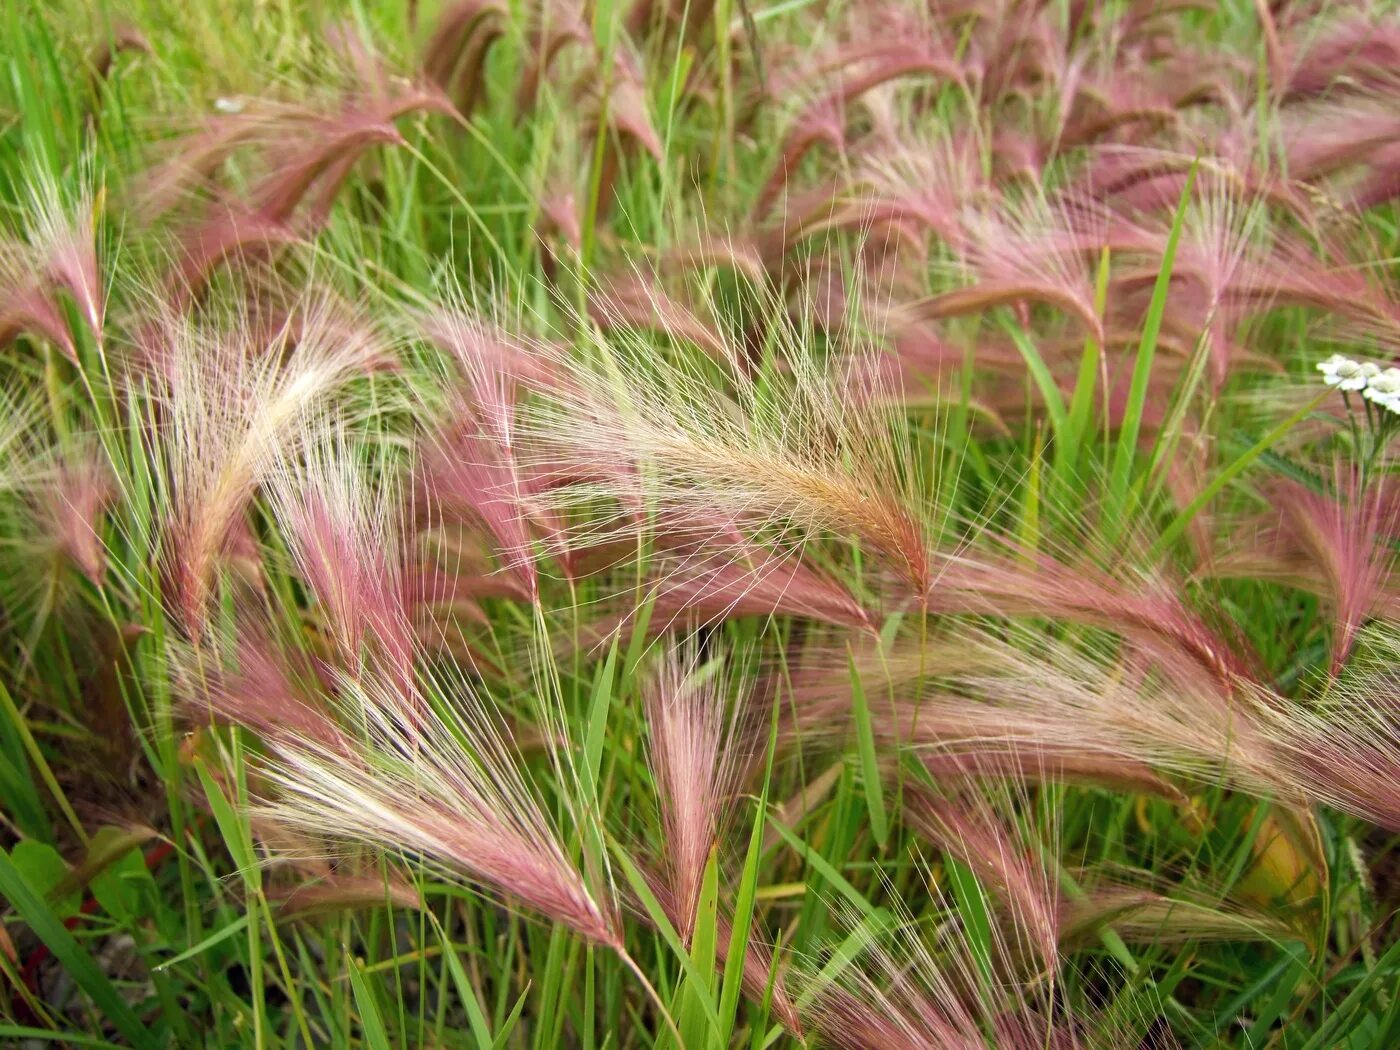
[(1378, 978), (869, 763), (237, 926), (552, 983), (1284, 978), (972, 906), (1126, 449), (126, 890), (371, 1023), (116, 873), (231, 826), (1044, 381), (696, 998), (466, 993), (1081, 406), (1028, 530), (18, 1032), (47, 926), (857, 941), (668, 932), (512, 1019), (36, 757), (19, 794), (48, 873), (824, 868), (746, 897), (598, 709)]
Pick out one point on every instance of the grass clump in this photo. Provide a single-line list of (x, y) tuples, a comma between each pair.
[(697, 525)]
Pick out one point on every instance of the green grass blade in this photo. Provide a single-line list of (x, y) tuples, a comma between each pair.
[(466, 994), (1179, 524), (220, 935), (1070, 443), (21, 1032), (824, 868), (512, 1019), (41, 765), (657, 914), (869, 762), (1043, 379), (371, 1023), (1126, 449), (695, 997), (74, 959), (599, 706), (747, 896), (855, 942), (974, 913)]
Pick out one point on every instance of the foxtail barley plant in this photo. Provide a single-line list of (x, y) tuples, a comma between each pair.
[(700, 524)]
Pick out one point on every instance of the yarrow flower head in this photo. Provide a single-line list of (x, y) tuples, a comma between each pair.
[(1384, 390), (1379, 387), (1346, 374)]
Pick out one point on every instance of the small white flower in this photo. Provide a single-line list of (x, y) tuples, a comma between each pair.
[(1384, 386), (229, 105), (1384, 391), (1333, 367), (1346, 374)]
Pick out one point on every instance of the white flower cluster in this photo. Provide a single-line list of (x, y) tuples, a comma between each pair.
[(1381, 386)]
